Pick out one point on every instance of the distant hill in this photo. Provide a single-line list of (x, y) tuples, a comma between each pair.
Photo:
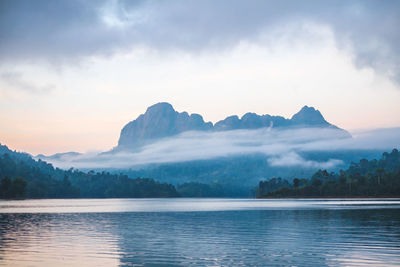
[(58, 156), (161, 120)]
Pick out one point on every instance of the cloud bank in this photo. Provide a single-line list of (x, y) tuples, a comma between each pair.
[(68, 31), (282, 147)]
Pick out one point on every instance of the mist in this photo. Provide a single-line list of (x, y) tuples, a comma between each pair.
[(283, 148)]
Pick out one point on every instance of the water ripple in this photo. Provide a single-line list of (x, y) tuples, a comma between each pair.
[(197, 232)]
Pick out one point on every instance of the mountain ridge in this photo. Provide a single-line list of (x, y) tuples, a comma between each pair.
[(162, 120)]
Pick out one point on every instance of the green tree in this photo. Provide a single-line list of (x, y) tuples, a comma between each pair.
[(380, 173), (18, 188), (296, 182), (5, 186)]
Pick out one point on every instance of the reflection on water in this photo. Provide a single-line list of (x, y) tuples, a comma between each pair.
[(200, 232)]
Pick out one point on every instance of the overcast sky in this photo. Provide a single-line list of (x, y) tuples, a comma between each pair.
[(73, 73)]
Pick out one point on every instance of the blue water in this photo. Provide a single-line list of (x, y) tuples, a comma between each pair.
[(200, 232)]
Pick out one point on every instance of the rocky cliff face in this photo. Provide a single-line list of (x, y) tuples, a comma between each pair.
[(306, 117), (250, 121), (309, 116), (161, 120)]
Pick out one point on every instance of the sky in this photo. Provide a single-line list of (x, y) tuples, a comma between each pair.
[(73, 73)]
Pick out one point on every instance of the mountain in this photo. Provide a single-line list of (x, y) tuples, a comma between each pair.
[(161, 120), (309, 116), (57, 156), (306, 117), (20, 156)]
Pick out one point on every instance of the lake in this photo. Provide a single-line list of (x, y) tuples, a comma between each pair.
[(200, 232)]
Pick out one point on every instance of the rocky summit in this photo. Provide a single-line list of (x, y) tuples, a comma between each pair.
[(160, 120)]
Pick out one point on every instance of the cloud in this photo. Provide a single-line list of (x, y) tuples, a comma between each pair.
[(17, 82), (382, 139), (67, 31), (282, 147), (294, 159)]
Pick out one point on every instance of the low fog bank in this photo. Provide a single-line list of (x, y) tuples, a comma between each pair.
[(283, 148)]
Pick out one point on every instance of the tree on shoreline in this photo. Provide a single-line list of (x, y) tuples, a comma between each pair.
[(375, 178), (12, 188)]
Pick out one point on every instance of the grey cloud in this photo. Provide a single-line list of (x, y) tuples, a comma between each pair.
[(282, 147), (17, 82), (64, 31)]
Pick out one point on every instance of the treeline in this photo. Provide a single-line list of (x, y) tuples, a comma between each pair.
[(374, 178), (12, 188), (23, 177)]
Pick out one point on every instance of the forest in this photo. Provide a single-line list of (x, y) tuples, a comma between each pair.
[(366, 178), (23, 177)]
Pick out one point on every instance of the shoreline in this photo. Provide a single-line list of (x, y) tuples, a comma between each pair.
[(328, 197)]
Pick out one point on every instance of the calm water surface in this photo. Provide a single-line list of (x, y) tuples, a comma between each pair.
[(200, 232)]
